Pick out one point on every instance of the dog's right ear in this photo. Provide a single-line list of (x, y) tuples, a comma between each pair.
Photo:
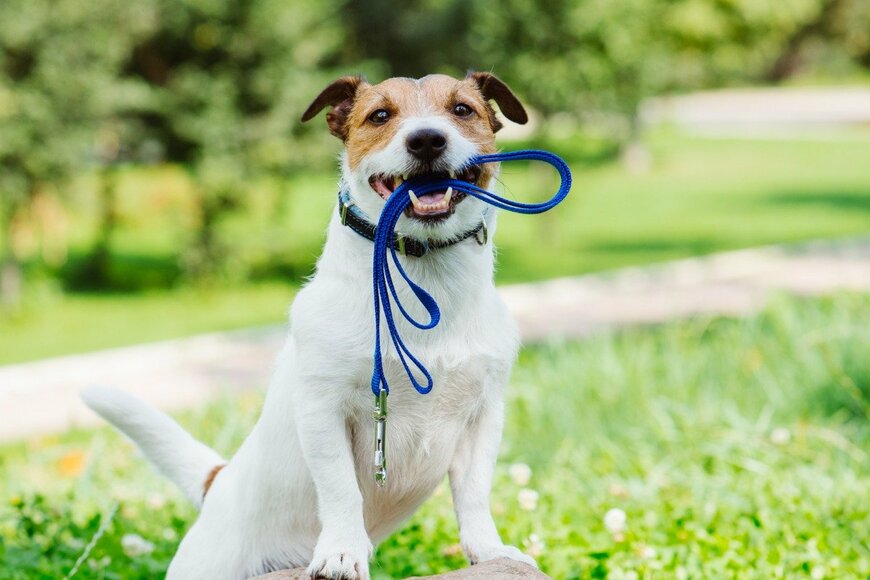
[(340, 96)]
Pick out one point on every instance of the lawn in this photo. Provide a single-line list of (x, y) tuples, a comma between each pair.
[(734, 448), (700, 196)]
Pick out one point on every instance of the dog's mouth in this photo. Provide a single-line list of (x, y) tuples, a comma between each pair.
[(433, 206)]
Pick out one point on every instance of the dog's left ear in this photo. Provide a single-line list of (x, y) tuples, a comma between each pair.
[(494, 89), (340, 95)]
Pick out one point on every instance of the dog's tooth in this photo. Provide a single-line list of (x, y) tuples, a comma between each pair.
[(452, 173), (414, 199), (448, 195), (404, 177)]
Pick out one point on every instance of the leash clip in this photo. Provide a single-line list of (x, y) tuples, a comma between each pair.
[(380, 417), (481, 236)]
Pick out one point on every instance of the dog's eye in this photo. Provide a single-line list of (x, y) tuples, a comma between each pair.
[(461, 110), (380, 117)]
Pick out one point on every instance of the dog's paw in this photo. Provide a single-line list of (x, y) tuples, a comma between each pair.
[(480, 554), (340, 562)]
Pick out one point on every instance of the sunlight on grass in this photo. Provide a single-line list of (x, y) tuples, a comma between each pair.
[(86, 322), (733, 447)]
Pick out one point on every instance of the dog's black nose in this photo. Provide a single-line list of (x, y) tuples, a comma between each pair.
[(426, 144)]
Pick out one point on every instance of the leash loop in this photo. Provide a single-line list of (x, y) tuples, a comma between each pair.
[(383, 286), (384, 252)]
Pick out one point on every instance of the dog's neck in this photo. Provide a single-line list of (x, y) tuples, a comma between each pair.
[(456, 275), (466, 218)]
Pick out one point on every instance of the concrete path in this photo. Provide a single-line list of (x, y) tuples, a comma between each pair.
[(763, 112), (42, 397)]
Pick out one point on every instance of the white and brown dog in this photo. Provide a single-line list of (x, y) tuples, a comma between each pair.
[(300, 490)]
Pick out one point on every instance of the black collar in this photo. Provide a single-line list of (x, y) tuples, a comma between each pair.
[(352, 217)]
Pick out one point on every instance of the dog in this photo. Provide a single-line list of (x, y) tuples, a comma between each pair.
[(300, 490)]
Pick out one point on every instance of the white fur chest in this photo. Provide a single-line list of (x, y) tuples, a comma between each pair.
[(469, 355)]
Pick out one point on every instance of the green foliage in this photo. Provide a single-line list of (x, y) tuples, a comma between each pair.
[(59, 82), (59, 63), (217, 87), (734, 447), (48, 541), (416, 38), (590, 57), (230, 79)]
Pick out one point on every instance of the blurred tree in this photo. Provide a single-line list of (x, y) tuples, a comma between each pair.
[(837, 34), (58, 79), (595, 56), (231, 78), (411, 38)]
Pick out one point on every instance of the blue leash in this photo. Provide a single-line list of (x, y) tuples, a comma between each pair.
[(384, 287)]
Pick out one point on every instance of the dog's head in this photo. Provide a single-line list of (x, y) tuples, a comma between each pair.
[(403, 127)]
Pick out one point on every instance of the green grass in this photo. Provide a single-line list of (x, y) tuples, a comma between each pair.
[(700, 196), (737, 448), (86, 322)]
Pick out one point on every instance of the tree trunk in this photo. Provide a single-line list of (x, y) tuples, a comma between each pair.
[(11, 274), (95, 273), (11, 284), (635, 155), (790, 58)]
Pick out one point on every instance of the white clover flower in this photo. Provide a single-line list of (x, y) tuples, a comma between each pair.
[(100, 564), (155, 501), (618, 490), (528, 499), (614, 521), (780, 436), (135, 545), (534, 546), (647, 552), (520, 473)]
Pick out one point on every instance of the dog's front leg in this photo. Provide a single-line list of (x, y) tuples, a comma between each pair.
[(343, 548), (471, 480)]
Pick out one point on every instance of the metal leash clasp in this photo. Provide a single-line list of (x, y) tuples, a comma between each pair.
[(380, 417)]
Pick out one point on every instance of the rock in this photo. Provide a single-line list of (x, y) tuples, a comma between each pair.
[(502, 569)]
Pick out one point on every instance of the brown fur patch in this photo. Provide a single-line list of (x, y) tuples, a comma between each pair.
[(209, 479), (404, 98), (352, 101), (493, 88), (340, 97)]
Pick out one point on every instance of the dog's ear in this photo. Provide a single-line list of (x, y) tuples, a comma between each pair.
[(493, 89), (340, 96)]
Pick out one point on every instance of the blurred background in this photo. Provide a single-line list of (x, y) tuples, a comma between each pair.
[(155, 183)]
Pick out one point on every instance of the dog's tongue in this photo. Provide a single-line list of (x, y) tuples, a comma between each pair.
[(429, 204), (430, 198)]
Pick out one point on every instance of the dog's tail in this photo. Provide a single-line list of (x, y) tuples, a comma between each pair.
[(190, 464)]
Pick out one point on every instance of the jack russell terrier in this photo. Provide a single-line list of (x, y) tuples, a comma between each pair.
[(300, 489)]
